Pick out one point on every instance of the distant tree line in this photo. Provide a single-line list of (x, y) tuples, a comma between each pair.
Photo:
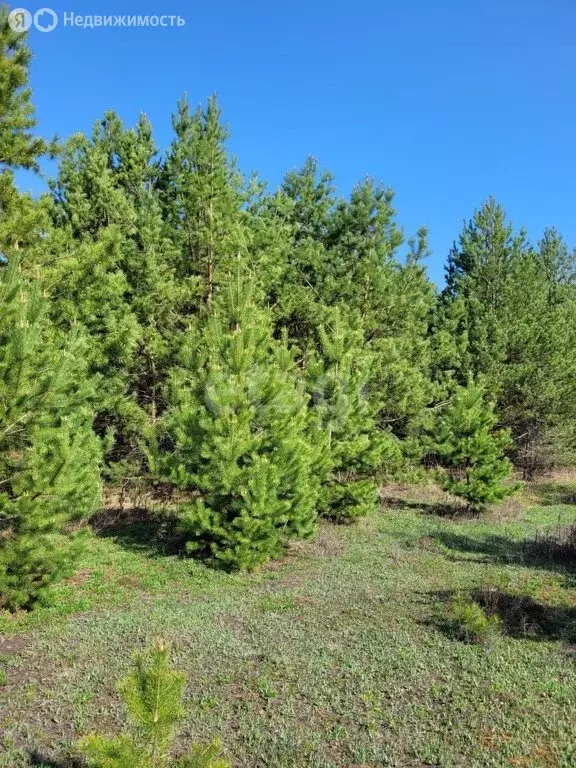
[(269, 353)]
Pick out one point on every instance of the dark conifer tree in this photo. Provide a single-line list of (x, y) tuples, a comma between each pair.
[(507, 318), (201, 200)]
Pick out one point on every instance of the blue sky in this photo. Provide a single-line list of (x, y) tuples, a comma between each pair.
[(446, 101)]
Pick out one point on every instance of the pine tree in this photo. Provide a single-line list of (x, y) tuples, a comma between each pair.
[(153, 695), (237, 432), (200, 193), (472, 451), (478, 273), (49, 456), (559, 265), (345, 253), (300, 211), (537, 399), (19, 147), (110, 268), (401, 344), (506, 317), (89, 290), (101, 178), (354, 447), (312, 194), (21, 220)]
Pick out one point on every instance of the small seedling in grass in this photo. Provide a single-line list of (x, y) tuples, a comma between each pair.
[(3, 677), (7, 741), (466, 620), (30, 692), (266, 687), (373, 707), (568, 759), (276, 604), (153, 695), (208, 703)]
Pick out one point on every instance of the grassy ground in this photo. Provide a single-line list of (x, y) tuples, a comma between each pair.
[(334, 657)]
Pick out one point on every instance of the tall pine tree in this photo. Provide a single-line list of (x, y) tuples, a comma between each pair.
[(49, 456), (346, 253), (506, 317), (201, 200), (111, 269)]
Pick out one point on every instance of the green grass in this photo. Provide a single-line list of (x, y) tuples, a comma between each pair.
[(333, 657)]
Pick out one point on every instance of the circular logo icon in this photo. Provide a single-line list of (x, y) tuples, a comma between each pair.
[(45, 20), (20, 20)]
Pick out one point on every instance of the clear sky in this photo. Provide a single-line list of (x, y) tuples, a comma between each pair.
[(446, 101)]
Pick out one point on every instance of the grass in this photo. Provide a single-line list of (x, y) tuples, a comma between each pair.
[(333, 657)]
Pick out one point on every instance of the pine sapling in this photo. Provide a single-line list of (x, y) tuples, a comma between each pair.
[(472, 451), (152, 693)]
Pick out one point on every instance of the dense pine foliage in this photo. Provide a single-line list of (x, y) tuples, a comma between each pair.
[(472, 451), (49, 454), (268, 353), (237, 432)]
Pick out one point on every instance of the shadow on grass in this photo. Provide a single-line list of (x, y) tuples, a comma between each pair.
[(139, 530), (551, 549), (41, 760), (436, 508), (519, 616), (148, 533), (552, 494), (522, 616)]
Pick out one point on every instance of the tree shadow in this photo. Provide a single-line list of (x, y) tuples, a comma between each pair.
[(42, 760), (140, 530), (149, 533), (452, 510), (552, 493), (520, 616), (551, 549)]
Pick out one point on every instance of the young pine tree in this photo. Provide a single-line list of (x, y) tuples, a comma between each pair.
[(21, 219), (474, 301), (153, 695), (506, 318), (111, 270), (201, 201), (345, 253), (354, 446), (236, 431), (49, 456), (472, 451)]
